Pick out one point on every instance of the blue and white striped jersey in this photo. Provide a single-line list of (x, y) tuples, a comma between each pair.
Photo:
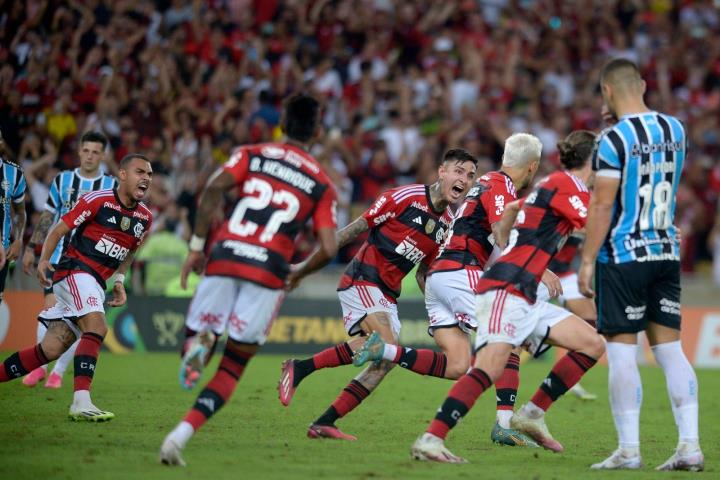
[(65, 190), (646, 151), (12, 183)]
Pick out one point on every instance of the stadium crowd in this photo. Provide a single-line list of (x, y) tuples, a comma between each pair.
[(183, 82)]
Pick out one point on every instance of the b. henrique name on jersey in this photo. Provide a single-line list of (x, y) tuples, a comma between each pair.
[(282, 188), (405, 230), (553, 210), (106, 232)]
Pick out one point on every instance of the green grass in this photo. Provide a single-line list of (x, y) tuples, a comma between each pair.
[(255, 437)]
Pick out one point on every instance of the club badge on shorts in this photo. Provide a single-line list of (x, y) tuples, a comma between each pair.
[(124, 223), (430, 226)]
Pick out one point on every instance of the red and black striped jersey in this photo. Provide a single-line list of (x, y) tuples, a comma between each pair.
[(106, 231), (561, 264), (282, 188), (557, 206), (405, 230), (470, 241)]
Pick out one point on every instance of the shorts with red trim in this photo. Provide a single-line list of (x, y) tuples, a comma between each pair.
[(76, 295), (243, 308), (450, 299), (358, 301), (507, 318)]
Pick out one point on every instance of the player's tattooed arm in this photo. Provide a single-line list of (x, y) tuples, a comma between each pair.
[(19, 219), (421, 275), (350, 232), (42, 228)]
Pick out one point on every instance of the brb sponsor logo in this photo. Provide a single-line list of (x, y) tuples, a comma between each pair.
[(111, 249), (82, 217), (408, 249)]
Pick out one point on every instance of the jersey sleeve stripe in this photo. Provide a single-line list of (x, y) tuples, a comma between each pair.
[(407, 191)]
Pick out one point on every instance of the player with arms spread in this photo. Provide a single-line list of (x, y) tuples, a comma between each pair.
[(508, 315), (65, 190), (109, 227), (407, 226), (282, 189), (632, 237)]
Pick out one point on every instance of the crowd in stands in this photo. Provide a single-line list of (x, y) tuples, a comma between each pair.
[(185, 81)]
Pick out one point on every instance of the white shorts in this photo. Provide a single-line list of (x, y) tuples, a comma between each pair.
[(359, 301), (450, 299), (570, 288), (245, 309), (77, 295), (507, 318)]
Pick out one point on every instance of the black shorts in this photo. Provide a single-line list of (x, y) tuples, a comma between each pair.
[(629, 295)]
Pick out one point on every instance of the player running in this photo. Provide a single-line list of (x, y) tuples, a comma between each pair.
[(451, 300), (632, 236), (509, 316), (407, 225), (109, 226), (282, 189), (65, 190), (449, 295)]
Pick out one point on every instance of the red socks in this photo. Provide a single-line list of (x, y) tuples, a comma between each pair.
[(460, 400), (21, 363), (565, 373)]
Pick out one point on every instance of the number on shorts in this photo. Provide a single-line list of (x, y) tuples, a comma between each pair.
[(659, 196), (262, 196)]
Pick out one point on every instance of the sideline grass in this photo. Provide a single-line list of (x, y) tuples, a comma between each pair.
[(255, 437)]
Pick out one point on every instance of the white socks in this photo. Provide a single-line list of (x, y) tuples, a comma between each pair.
[(533, 411), (62, 363), (181, 434), (503, 418), (625, 393), (390, 352), (81, 398), (682, 388)]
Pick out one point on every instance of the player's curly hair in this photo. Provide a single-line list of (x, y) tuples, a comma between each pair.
[(301, 116), (576, 149)]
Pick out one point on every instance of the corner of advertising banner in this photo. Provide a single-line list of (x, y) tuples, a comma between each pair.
[(302, 327)]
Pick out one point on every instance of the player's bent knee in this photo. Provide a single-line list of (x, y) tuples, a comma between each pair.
[(595, 347), (455, 370)]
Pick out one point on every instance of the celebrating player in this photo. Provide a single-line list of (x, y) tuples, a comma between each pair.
[(65, 190), (508, 315), (109, 226), (449, 295), (282, 188), (632, 236), (407, 225)]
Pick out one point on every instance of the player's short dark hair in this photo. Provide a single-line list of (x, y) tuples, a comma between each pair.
[(130, 157), (302, 113), (576, 149), (94, 137), (617, 67), (459, 155)]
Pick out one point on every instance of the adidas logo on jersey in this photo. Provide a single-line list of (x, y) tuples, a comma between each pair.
[(418, 220), (112, 220)]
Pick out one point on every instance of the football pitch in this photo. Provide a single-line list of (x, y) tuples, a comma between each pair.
[(255, 437)]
